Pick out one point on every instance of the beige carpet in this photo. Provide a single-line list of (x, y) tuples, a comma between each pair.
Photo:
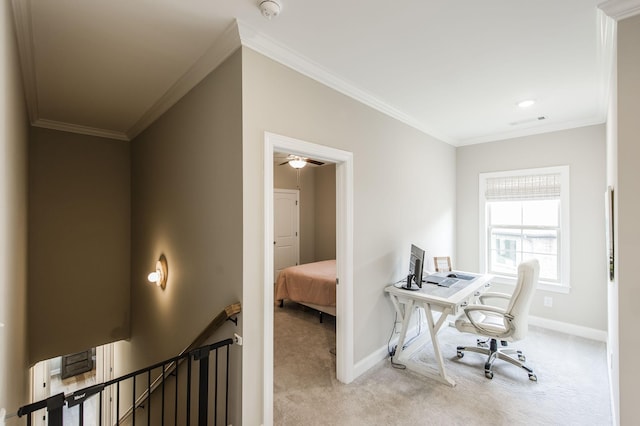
[(572, 387)]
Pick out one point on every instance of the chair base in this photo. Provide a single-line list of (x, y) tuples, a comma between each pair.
[(494, 353)]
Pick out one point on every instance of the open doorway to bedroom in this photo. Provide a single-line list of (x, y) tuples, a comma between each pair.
[(304, 251), (337, 327)]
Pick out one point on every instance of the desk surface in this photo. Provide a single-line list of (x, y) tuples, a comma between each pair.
[(444, 296)]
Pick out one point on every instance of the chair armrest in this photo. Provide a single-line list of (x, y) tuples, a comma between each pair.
[(494, 295), (485, 308), (490, 309)]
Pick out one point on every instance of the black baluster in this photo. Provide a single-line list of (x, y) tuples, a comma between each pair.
[(148, 397), (203, 385), (189, 390)]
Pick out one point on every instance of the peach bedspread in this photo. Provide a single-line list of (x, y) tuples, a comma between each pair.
[(308, 283)]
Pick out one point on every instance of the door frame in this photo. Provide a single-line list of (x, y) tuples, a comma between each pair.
[(344, 256)]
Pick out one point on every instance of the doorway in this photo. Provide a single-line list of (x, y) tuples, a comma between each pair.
[(72, 372), (344, 256)]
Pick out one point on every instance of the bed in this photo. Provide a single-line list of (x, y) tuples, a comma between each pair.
[(310, 284)]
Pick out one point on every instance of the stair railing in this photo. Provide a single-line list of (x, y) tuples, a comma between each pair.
[(169, 368)]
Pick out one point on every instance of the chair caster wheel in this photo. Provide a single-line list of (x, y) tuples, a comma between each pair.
[(533, 377), (460, 354), (489, 374)]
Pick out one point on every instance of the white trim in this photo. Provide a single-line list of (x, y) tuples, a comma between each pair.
[(565, 225), (607, 29), (600, 118), (223, 47), (280, 53), (620, 9), (545, 286), (562, 327), (83, 130), (372, 359), (344, 257), (567, 328)]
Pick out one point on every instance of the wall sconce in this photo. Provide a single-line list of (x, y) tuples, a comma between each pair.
[(159, 277)]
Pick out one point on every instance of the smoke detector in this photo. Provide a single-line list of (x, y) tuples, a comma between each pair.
[(270, 8)]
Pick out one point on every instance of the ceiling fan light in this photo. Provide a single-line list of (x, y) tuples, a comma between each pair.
[(297, 163)]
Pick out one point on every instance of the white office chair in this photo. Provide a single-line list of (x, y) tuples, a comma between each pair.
[(508, 324)]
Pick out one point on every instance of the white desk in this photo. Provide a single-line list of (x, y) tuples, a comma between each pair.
[(432, 298)]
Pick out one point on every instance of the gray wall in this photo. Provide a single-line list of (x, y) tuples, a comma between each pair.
[(317, 208), (14, 127), (325, 242), (628, 176), (392, 205), (583, 149), (79, 233), (187, 204)]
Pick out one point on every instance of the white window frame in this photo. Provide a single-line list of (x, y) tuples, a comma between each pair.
[(564, 252)]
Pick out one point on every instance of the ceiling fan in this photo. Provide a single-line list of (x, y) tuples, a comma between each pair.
[(298, 162)]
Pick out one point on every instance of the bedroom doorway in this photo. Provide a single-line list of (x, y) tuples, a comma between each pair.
[(343, 161)]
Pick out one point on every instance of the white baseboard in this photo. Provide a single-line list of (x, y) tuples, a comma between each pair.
[(565, 327), (379, 354)]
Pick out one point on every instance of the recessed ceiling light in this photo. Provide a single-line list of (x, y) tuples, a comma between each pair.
[(526, 103)]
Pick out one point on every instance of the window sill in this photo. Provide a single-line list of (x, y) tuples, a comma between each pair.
[(545, 286)]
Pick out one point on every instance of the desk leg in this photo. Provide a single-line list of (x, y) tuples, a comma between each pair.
[(405, 316), (433, 329)]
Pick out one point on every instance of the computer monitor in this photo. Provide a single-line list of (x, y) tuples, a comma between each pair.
[(416, 265)]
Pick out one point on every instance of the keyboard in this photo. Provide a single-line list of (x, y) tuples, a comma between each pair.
[(447, 282)]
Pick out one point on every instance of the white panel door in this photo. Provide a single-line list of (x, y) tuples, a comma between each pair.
[(285, 232)]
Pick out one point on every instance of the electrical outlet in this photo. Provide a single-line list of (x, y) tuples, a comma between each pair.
[(237, 339), (548, 301)]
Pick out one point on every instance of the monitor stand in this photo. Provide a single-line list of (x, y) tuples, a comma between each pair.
[(409, 284)]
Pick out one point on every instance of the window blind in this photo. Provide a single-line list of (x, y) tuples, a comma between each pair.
[(519, 188)]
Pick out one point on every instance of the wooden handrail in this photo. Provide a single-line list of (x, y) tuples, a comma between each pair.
[(225, 315), (215, 324)]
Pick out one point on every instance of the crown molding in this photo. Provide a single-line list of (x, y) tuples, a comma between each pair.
[(83, 130), (278, 52), (620, 9), (221, 49), (22, 20), (535, 130)]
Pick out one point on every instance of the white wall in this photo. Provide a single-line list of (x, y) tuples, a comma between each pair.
[(584, 150), (14, 127), (628, 180), (396, 169)]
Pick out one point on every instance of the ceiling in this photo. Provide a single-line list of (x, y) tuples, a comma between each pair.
[(454, 70)]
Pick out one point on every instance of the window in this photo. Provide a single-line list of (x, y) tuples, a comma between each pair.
[(524, 214)]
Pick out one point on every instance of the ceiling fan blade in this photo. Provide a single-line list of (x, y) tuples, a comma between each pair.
[(282, 164), (316, 162)]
